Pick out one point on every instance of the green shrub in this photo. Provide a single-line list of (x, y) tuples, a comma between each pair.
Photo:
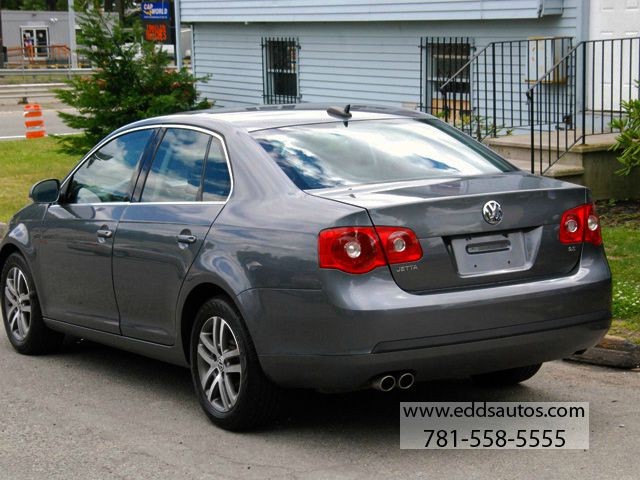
[(628, 141), (132, 81)]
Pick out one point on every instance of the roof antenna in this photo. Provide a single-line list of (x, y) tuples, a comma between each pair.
[(342, 113)]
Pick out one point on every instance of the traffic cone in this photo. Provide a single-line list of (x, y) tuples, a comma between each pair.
[(34, 123)]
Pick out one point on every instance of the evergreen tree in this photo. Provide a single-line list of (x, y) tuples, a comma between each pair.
[(132, 81), (50, 5)]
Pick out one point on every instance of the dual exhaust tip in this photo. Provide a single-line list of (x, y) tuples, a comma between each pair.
[(386, 383)]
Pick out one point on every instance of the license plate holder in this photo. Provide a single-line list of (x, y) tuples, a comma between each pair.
[(491, 254)]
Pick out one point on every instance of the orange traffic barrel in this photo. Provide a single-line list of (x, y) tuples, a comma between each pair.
[(34, 123)]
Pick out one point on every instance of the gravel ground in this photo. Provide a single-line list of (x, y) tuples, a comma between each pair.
[(94, 412)]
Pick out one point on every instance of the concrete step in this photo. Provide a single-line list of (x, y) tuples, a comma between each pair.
[(559, 170), (518, 147)]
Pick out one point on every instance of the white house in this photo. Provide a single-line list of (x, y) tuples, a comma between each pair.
[(403, 53)]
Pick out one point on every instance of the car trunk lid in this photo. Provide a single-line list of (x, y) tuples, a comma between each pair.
[(460, 247)]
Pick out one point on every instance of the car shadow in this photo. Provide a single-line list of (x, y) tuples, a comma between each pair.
[(304, 410)]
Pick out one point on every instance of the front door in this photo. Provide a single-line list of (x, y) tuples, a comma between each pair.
[(78, 233), (159, 236), (35, 42)]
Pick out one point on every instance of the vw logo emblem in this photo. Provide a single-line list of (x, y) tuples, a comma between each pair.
[(492, 212)]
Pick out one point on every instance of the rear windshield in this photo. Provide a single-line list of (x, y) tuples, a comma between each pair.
[(333, 154)]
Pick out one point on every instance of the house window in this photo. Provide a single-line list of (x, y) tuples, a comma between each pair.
[(280, 70), (443, 57)]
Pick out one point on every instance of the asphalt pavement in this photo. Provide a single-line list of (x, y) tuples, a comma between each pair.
[(92, 412), (12, 121)]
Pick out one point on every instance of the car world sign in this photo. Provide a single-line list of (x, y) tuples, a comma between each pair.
[(155, 10)]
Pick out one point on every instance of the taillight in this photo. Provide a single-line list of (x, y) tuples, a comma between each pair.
[(400, 244), (593, 233), (350, 249), (361, 249), (580, 224)]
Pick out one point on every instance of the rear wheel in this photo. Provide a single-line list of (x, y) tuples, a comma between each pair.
[(231, 387), (21, 310), (512, 376)]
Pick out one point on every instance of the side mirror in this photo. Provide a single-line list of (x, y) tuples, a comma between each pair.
[(46, 191)]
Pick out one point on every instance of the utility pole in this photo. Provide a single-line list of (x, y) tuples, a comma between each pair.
[(73, 54), (178, 33), (1, 42)]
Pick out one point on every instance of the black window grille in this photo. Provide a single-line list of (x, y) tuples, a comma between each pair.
[(441, 58), (280, 70)]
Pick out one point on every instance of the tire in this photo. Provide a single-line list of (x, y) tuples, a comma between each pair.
[(230, 385), (512, 376), (21, 310)]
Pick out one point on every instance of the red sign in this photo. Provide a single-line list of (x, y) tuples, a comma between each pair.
[(156, 32)]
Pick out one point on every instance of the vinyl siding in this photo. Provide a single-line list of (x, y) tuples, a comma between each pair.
[(374, 62), (221, 11)]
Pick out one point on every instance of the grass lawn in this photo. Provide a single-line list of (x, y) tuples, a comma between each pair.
[(24, 162), (621, 233), (40, 78)]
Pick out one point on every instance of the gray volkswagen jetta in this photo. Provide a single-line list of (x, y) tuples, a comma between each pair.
[(307, 246)]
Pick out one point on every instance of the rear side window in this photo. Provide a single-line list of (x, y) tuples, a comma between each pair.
[(177, 167), (217, 180), (360, 152), (108, 174)]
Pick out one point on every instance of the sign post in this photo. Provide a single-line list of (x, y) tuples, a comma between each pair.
[(178, 32)]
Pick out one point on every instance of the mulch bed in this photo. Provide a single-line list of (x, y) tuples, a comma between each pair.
[(622, 213)]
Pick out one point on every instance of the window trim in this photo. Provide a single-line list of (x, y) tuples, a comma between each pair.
[(33, 28), (141, 167)]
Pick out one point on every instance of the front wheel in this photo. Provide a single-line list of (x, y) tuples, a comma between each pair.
[(231, 387), (512, 376), (21, 310)]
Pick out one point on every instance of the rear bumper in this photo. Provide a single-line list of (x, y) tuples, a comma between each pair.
[(358, 327), (348, 372)]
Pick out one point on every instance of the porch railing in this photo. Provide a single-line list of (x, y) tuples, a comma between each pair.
[(499, 75), (603, 74), (39, 56)]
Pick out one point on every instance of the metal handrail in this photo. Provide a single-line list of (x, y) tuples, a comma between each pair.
[(487, 94), (466, 65), (552, 69), (555, 112)]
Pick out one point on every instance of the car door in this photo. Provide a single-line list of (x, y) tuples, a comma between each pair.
[(77, 234), (186, 186)]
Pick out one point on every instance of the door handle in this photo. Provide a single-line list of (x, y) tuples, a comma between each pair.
[(187, 238), (104, 233)]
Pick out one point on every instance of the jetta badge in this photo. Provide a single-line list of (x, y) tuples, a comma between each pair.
[(492, 212)]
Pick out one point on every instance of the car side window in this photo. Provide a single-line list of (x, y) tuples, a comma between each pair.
[(176, 171), (217, 180), (108, 174)]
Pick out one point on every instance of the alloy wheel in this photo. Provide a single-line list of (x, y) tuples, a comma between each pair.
[(219, 364), (17, 302)]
